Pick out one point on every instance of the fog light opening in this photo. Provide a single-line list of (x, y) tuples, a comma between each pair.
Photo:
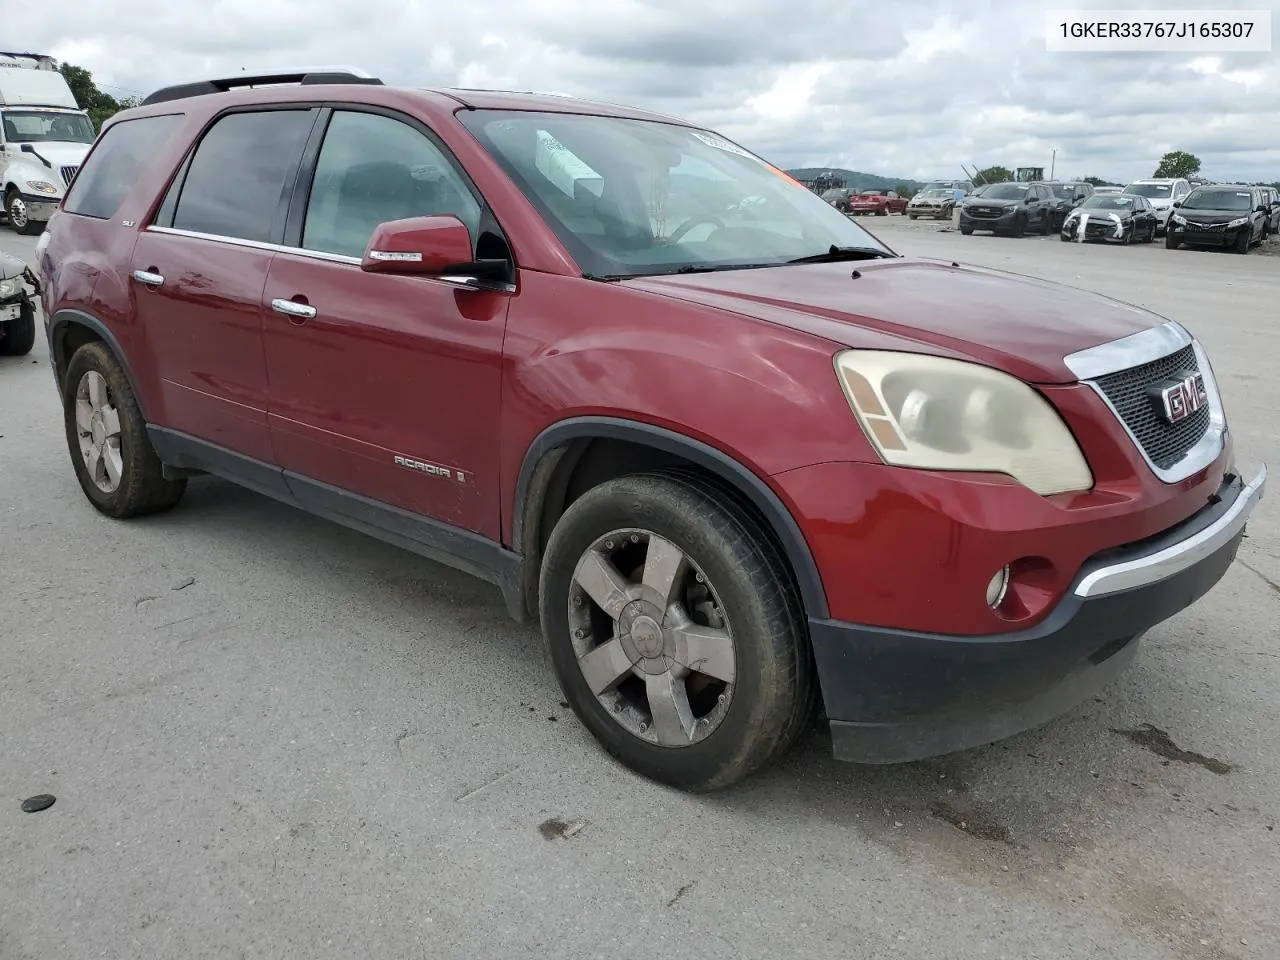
[(998, 587)]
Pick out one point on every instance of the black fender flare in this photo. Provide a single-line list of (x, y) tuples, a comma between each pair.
[(725, 467), (68, 317)]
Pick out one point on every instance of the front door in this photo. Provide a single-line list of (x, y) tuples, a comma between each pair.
[(198, 272), (385, 386)]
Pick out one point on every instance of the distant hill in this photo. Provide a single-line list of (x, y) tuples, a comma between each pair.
[(856, 180)]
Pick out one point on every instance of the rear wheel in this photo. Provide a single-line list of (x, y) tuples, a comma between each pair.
[(17, 337), (675, 631), (107, 437)]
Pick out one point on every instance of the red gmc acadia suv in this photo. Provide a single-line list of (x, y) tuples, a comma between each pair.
[(735, 453)]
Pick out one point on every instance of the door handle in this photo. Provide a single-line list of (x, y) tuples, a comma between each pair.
[(150, 279), (291, 308)]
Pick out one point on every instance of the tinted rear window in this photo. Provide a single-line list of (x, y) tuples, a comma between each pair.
[(235, 182), (116, 163)]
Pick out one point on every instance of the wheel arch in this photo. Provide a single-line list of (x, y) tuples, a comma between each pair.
[(564, 451), (69, 330)]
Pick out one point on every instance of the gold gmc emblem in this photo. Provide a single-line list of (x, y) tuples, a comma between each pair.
[(1184, 398)]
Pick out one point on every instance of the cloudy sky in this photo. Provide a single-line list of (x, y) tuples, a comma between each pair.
[(910, 88)]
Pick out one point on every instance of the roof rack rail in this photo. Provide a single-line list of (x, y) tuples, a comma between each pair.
[(303, 77)]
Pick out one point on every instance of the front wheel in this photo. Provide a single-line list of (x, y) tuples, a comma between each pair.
[(1242, 242), (15, 208), (1170, 241), (966, 231), (675, 631), (107, 437)]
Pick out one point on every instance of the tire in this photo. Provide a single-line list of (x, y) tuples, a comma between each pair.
[(911, 216), (966, 231), (96, 384), (15, 209), (17, 337), (1245, 235), (1170, 241), (729, 730), (1047, 226)]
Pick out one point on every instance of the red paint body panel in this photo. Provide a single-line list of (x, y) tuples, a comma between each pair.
[(913, 550), (390, 366), (1015, 323), (761, 393), (203, 330)]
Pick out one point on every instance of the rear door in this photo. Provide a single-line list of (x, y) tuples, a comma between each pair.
[(198, 272), (385, 386)]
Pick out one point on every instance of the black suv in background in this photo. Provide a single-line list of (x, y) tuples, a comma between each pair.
[(1010, 208), (1232, 215), (1067, 195)]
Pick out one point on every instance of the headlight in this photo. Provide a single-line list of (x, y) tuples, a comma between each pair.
[(1179, 219), (933, 413), (40, 186), (1238, 223), (9, 288)]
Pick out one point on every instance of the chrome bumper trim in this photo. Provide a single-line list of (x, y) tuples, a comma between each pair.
[(1154, 567)]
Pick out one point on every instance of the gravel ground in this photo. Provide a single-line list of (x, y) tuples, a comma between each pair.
[(269, 736)]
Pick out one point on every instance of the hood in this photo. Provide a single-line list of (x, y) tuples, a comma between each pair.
[(991, 202), (1098, 213), (10, 267), (58, 152), (1160, 202), (1018, 324)]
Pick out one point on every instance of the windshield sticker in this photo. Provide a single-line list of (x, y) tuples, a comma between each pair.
[(721, 144), (564, 168)]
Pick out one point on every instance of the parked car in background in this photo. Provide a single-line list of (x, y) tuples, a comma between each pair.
[(878, 202), (959, 189), (1108, 189), (727, 473), (1009, 208), (1115, 218), (1067, 195), (1162, 193), (17, 308), (1221, 215), (1271, 197), (936, 202), (838, 197)]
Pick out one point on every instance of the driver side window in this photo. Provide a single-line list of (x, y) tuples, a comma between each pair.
[(371, 169)]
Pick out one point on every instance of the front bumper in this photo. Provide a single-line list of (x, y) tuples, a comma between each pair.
[(1102, 229), (1005, 221), (937, 212), (39, 206), (1208, 238), (894, 696)]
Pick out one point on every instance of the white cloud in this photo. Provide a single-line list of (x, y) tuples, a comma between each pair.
[(912, 88)]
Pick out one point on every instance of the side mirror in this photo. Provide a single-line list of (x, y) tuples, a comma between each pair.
[(436, 246), (1177, 203), (1262, 208), (27, 148)]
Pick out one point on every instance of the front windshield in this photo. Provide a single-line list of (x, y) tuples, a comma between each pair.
[(1156, 190), (1115, 202), (1218, 200), (638, 197), (934, 192), (1005, 191), (41, 126)]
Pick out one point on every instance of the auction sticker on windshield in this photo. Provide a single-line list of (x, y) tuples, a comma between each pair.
[(722, 144)]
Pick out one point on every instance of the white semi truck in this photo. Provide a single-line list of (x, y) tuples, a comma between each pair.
[(44, 137)]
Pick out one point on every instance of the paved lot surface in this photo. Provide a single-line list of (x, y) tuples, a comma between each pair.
[(272, 737)]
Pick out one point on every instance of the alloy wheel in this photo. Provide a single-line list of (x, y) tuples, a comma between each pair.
[(98, 430), (651, 638), (17, 213)]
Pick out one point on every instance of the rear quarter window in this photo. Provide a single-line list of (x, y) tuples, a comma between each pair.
[(113, 167)]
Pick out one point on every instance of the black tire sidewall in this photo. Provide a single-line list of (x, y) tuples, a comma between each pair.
[(715, 543), (18, 336), (134, 443)]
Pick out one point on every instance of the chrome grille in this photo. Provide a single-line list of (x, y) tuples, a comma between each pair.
[(1133, 393), (69, 172)]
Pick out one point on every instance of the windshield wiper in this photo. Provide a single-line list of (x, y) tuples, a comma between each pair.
[(838, 254)]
